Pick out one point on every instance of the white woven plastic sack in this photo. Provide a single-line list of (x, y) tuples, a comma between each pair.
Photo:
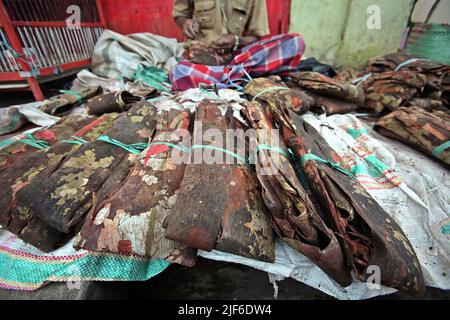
[(117, 56)]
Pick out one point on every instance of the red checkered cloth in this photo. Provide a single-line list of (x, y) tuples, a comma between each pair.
[(270, 55)]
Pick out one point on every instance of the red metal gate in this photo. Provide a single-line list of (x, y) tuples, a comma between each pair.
[(37, 44)]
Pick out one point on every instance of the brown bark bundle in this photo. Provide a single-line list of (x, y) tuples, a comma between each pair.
[(62, 104), (272, 92), (31, 164), (294, 216), (111, 102), (368, 236), (320, 84), (202, 53), (425, 131), (65, 193), (392, 89), (63, 129), (20, 221), (218, 205), (331, 106), (129, 220)]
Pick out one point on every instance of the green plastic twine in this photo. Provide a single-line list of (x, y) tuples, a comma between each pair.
[(135, 148), (268, 90), (334, 165), (72, 93), (171, 145), (271, 148), (76, 140), (31, 141), (438, 150)]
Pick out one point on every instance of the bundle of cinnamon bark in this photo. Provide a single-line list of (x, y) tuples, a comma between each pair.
[(129, 220), (329, 96), (397, 78), (367, 235), (26, 168), (425, 131), (66, 188), (219, 204)]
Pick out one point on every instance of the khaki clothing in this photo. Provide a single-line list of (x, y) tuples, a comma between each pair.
[(220, 17)]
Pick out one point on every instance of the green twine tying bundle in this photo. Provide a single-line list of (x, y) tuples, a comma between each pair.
[(76, 140), (268, 90), (135, 148), (31, 141), (438, 150), (76, 94), (312, 157)]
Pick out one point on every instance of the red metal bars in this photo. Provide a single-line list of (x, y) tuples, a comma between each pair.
[(35, 40)]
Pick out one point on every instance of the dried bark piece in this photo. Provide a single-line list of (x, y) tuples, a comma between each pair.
[(119, 225), (367, 234), (437, 75), (331, 106), (62, 104), (210, 200), (369, 237), (272, 92), (18, 219), (202, 53), (63, 129), (320, 84), (294, 216), (428, 104), (66, 192), (111, 102), (420, 129), (391, 90)]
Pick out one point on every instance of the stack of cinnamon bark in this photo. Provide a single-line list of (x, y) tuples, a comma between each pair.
[(137, 180)]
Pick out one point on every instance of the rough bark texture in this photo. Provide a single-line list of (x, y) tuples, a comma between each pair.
[(420, 129), (368, 235), (437, 83), (320, 84), (19, 220), (63, 129), (331, 106), (135, 227), (392, 89), (202, 53), (62, 104), (111, 102), (272, 92), (66, 192), (218, 204), (294, 216)]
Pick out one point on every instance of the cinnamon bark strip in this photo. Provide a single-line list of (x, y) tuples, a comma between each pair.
[(367, 235), (62, 104), (218, 205), (18, 220), (63, 129), (66, 192), (129, 220), (320, 84), (294, 216), (111, 102), (422, 130)]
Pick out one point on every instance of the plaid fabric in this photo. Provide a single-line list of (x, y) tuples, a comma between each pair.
[(274, 54)]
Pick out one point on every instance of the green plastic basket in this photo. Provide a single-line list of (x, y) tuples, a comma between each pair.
[(430, 41)]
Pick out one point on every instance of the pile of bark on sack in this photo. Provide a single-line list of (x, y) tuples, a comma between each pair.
[(127, 179)]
